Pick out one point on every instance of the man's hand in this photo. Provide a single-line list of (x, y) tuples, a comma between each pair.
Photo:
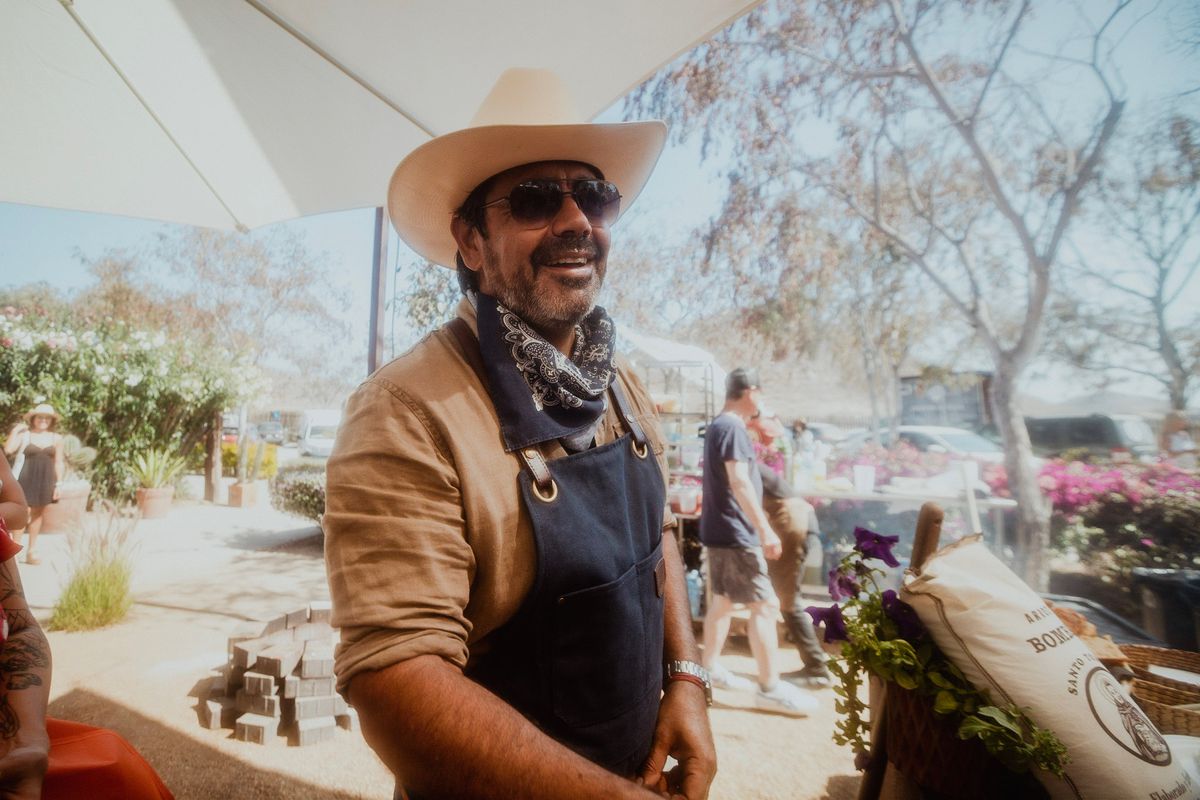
[(771, 545), (683, 732), (21, 773)]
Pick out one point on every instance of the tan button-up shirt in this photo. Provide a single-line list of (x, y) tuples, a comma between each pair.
[(428, 546)]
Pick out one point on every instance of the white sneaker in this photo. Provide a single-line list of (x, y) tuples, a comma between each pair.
[(722, 678), (786, 699)]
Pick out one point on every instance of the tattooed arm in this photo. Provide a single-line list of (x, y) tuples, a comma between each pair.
[(24, 692), (24, 668)]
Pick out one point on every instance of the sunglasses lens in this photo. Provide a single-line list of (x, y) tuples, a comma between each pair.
[(598, 200), (535, 201), (539, 201)]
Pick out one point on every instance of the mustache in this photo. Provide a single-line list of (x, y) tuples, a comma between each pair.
[(550, 251)]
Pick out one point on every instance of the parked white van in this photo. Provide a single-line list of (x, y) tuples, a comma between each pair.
[(319, 431)]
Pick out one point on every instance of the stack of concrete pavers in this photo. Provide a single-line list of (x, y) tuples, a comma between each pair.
[(279, 681)]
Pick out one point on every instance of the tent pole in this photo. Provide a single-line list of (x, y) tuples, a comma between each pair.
[(378, 290)]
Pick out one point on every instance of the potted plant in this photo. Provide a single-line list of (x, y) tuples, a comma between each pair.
[(155, 471), (74, 488), (244, 492)]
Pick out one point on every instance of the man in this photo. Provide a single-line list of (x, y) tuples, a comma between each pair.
[(514, 621), (738, 541)]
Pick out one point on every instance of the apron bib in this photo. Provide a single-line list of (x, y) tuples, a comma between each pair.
[(582, 658)]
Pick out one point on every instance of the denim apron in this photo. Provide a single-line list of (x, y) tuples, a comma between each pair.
[(582, 658)]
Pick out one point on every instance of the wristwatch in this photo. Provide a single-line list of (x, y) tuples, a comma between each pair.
[(691, 672)]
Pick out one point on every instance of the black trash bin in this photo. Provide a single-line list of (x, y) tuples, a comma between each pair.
[(1170, 605)]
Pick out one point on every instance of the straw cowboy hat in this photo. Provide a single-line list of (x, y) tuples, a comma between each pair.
[(527, 117), (42, 410)]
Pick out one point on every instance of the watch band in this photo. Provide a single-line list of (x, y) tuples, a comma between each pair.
[(691, 672)]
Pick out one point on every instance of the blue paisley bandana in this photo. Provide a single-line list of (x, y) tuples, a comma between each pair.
[(547, 396)]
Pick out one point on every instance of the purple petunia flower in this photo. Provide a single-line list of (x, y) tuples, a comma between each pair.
[(842, 586), (903, 615), (831, 618), (873, 545)]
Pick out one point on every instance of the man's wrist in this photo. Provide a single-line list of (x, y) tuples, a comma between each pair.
[(689, 672)]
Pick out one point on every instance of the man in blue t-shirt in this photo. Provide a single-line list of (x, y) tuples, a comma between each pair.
[(738, 540)]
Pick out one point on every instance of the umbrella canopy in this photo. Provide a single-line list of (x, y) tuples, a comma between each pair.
[(239, 113)]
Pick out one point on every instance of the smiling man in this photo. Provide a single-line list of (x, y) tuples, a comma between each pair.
[(513, 615)]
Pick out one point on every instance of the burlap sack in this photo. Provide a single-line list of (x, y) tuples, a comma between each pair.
[(1008, 642)]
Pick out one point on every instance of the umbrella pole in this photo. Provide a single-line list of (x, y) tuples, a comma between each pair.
[(378, 290)]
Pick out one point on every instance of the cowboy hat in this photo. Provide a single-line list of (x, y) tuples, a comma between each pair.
[(527, 117), (42, 410)]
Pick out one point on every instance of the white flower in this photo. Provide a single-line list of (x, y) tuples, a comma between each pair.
[(134, 379)]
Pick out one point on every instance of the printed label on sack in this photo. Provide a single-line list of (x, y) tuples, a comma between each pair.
[(1123, 721)]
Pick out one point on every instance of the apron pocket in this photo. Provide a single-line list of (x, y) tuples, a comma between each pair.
[(599, 657)]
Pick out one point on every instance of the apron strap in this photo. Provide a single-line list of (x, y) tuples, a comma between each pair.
[(626, 412), (531, 457)]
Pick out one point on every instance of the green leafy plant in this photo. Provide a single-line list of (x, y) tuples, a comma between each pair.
[(155, 468), (269, 465), (881, 635), (99, 591), (77, 457)]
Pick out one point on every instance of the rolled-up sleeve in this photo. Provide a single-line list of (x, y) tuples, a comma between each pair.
[(399, 566)]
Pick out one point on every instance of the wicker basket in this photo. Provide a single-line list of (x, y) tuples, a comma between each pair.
[(1161, 704), (1142, 656), (925, 747)]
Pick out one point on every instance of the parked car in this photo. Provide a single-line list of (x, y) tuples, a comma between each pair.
[(1121, 437), (271, 432), (320, 430), (929, 439), (827, 432), (229, 434)]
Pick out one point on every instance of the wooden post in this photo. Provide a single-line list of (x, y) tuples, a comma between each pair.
[(212, 458)]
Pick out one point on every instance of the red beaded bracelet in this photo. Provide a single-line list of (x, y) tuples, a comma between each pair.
[(683, 676)]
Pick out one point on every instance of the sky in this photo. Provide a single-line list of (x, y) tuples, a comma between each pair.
[(38, 244)]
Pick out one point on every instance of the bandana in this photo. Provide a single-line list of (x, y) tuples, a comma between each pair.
[(539, 393)]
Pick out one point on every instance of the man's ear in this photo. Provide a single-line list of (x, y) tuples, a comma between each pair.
[(469, 241)]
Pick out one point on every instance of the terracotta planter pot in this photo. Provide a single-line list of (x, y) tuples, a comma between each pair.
[(155, 503), (243, 495), (66, 514)]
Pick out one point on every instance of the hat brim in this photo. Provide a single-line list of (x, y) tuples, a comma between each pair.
[(433, 181), (54, 415)]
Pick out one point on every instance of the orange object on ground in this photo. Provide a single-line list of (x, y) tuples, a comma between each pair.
[(97, 764)]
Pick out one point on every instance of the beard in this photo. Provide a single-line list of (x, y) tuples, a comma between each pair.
[(548, 302)]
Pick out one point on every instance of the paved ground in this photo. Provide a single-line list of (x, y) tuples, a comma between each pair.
[(205, 568)]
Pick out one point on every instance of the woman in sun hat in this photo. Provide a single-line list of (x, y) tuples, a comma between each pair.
[(40, 447)]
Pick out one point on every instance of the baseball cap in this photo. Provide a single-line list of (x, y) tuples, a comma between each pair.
[(741, 379)]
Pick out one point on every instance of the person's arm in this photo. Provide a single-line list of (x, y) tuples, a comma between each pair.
[(683, 731), (446, 736), (59, 463), (24, 671), (738, 473), (13, 443)]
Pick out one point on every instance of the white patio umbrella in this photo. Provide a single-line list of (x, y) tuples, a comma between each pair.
[(239, 113)]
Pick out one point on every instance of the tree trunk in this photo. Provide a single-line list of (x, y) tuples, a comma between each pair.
[(1033, 513), (212, 458)]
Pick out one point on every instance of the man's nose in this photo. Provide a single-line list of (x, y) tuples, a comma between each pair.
[(570, 221)]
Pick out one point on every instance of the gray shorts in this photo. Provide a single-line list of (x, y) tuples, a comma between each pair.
[(739, 573)]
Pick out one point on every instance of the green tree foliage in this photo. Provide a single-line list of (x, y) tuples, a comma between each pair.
[(909, 122), (122, 390)]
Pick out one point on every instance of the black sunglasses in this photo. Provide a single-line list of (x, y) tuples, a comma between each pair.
[(537, 202)]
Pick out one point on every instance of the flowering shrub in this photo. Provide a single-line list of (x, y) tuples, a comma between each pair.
[(300, 489), (122, 390), (882, 635), (901, 460)]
